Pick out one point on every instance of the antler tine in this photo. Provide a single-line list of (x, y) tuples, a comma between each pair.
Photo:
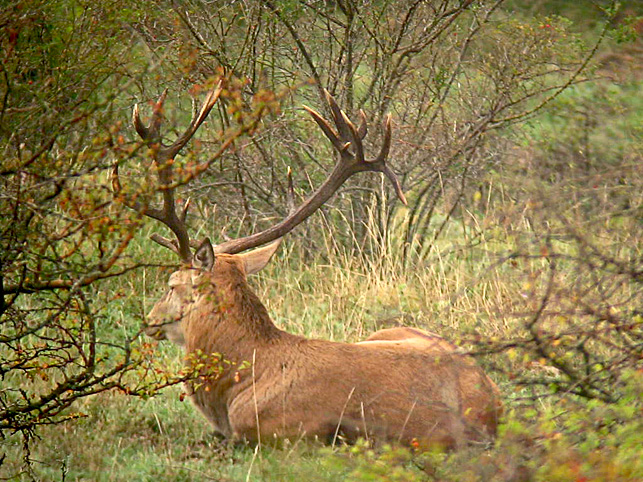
[(184, 211), (381, 160), (338, 117), (154, 129), (362, 129), (357, 140), (386, 144), (150, 134), (169, 214), (326, 128), (349, 163), (197, 120), (141, 129)]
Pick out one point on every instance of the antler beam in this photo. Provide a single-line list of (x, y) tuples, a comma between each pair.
[(347, 140)]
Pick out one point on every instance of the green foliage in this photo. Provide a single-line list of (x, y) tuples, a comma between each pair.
[(363, 463), (593, 125), (522, 242)]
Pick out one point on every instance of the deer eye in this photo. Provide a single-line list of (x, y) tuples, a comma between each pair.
[(175, 281)]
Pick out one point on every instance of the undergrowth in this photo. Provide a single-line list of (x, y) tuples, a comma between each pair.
[(478, 285), (164, 438)]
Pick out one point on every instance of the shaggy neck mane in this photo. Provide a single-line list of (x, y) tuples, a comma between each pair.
[(251, 313), (232, 321)]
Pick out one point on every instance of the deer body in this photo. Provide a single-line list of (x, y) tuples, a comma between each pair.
[(259, 383), (400, 384)]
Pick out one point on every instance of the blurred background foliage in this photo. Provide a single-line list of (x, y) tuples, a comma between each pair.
[(517, 138)]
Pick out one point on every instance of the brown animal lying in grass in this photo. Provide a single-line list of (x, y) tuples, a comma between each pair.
[(401, 384)]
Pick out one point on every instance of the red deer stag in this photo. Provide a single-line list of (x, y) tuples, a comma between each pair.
[(401, 384)]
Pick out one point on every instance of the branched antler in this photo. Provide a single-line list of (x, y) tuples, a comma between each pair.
[(345, 137), (347, 140), (169, 213)]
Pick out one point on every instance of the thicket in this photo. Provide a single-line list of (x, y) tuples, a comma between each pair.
[(514, 150)]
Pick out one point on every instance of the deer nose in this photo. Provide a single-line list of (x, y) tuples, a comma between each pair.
[(155, 332)]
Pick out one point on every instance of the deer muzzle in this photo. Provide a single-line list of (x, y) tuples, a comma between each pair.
[(155, 331)]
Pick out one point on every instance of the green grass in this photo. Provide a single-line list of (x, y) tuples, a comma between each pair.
[(165, 439), (460, 293)]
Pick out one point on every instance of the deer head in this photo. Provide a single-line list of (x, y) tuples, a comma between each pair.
[(189, 286), (346, 138)]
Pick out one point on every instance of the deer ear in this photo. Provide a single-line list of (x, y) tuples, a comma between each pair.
[(256, 259), (204, 256)]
